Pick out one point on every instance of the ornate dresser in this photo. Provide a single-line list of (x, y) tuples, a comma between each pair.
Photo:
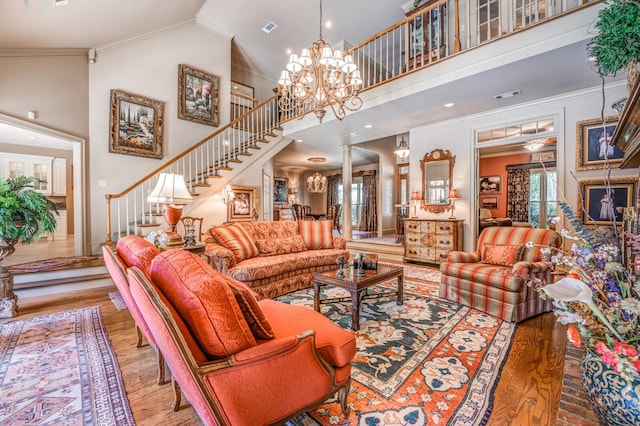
[(430, 240)]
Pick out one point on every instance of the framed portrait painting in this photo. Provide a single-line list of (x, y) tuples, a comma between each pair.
[(198, 95), (593, 147), (136, 125), (242, 206), (279, 191), (602, 204), (490, 184)]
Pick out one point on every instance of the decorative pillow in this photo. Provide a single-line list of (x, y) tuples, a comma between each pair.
[(317, 234), (274, 246), (235, 238), (502, 254), (253, 314), (204, 301), (136, 251)]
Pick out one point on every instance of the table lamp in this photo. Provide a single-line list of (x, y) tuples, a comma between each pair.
[(415, 198), (453, 196), (171, 191)]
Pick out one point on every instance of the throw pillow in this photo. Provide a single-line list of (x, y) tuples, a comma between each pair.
[(275, 246), (253, 314), (317, 234), (204, 301), (136, 251), (235, 238), (502, 254)]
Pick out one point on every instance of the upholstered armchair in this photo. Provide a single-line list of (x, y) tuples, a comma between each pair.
[(487, 220), (239, 361), (493, 278)]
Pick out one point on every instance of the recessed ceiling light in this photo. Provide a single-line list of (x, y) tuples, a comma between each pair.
[(56, 3), (289, 51), (269, 27), (328, 24), (299, 140), (506, 95), (368, 126), (449, 104)]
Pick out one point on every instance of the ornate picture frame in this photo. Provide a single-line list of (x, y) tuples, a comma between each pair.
[(600, 208), (280, 191), (490, 203), (198, 96), (592, 146), (136, 125), (490, 185), (242, 207)]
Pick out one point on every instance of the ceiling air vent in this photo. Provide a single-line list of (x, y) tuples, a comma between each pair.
[(269, 27), (56, 3), (508, 94)]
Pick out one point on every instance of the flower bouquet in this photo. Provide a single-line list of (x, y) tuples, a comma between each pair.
[(598, 298)]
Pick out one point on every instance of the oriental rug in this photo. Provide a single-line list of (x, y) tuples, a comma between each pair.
[(426, 362), (60, 369), (118, 300), (49, 264)]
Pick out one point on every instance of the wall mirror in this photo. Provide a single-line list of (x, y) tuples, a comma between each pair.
[(437, 171)]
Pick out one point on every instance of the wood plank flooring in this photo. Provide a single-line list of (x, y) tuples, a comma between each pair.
[(528, 392)]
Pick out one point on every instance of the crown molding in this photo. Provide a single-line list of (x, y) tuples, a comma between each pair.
[(29, 52), (140, 37)]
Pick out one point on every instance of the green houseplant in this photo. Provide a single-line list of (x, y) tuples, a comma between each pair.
[(617, 44), (25, 215)]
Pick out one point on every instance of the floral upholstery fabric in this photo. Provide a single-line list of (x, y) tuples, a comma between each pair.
[(271, 229), (275, 246)]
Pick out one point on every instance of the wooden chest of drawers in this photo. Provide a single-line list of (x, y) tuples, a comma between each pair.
[(429, 240)]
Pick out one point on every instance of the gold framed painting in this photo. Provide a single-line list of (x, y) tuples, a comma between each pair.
[(242, 207), (198, 95), (593, 148), (603, 204), (135, 125)]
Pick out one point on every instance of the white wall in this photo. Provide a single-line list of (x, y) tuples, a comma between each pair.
[(149, 67), (458, 137)]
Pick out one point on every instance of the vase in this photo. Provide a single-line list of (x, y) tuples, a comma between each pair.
[(615, 400)]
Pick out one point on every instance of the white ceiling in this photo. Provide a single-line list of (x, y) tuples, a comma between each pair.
[(94, 23)]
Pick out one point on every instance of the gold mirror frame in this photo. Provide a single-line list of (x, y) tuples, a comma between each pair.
[(436, 155)]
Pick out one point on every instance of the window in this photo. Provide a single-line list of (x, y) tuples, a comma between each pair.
[(357, 192), (543, 198), (488, 19), (402, 178)]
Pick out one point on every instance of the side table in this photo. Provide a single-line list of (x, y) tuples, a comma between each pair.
[(196, 249)]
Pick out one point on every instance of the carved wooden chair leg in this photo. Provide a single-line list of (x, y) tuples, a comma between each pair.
[(138, 337), (161, 368), (177, 394), (344, 395)]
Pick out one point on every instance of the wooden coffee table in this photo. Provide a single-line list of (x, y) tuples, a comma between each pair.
[(357, 287)]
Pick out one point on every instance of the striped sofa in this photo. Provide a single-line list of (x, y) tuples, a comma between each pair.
[(274, 257), (494, 278)]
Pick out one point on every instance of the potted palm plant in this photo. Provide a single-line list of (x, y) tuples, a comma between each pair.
[(617, 44), (25, 216)]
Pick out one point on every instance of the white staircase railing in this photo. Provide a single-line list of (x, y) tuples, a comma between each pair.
[(129, 210)]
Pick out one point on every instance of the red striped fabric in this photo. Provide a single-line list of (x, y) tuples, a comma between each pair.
[(317, 234), (236, 239)]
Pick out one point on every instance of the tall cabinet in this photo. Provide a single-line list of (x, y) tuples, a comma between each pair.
[(430, 240)]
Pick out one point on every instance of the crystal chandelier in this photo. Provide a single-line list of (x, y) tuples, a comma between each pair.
[(318, 78), (317, 184)]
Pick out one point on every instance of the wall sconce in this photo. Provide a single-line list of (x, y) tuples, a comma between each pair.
[(453, 196), (227, 195), (293, 195), (415, 198), (171, 191)]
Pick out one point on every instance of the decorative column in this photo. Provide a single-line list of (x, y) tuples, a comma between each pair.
[(8, 299), (346, 192)]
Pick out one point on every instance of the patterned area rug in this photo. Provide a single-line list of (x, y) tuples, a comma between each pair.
[(48, 264), (60, 369), (118, 300), (426, 362)]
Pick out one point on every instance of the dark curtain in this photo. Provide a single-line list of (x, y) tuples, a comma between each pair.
[(369, 220), (518, 190), (332, 191)]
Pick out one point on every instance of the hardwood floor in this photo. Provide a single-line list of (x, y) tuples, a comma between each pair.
[(528, 392)]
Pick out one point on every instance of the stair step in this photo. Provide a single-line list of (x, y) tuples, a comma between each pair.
[(213, 177), (253, 147), (235, 161), (228, 169), (248, 154), (271, 134), (205, 185)]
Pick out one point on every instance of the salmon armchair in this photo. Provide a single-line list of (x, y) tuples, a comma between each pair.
[(494, 277), (266, 381)]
